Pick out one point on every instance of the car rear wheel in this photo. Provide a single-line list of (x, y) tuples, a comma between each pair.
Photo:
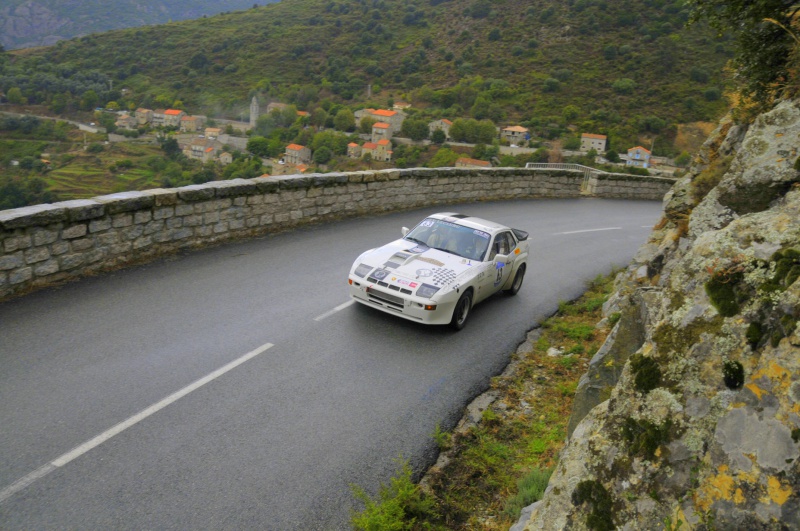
[(461, 311), (520, 276)]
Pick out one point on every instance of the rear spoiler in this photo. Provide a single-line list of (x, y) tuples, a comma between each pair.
[(520, 234)]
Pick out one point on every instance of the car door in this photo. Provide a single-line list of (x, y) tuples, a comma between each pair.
[(498, 273)]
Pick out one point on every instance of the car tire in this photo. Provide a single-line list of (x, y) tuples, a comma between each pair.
[(518, 278), (461, 311)]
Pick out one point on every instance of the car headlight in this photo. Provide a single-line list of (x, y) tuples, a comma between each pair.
[(427, 291), (362, 270)]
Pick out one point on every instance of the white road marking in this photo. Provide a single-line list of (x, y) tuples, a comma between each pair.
[(122, 426), (337, 309), (587, 230)]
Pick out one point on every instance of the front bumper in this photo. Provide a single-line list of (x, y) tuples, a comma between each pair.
[(405, 306)]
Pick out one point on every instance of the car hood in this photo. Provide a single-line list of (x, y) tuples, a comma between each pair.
[(410, 265)]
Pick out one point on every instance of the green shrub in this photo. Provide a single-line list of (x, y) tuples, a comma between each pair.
[(530, 489), (397, 507)]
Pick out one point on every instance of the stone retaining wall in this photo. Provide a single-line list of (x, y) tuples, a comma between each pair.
[(45, 244)]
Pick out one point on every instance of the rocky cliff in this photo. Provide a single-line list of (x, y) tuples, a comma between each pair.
[(690, 414)]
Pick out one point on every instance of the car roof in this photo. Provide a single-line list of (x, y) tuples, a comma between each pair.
[(469, 221)]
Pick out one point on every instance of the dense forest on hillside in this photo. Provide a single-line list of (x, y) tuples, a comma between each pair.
[(620, 68), (25, 23)]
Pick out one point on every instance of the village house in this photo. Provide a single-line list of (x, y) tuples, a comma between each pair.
[(143, 116), (212, 132), (378, 151), (275, 105), (381, 130), (442, 125), (393, 118), (639, 157), (297, 154), (591, 141), (465, 162), (353, 150), (401, 106), (225, 158), (202, 149), (172, 117), (126, 121), (192, 124), (516, 134)]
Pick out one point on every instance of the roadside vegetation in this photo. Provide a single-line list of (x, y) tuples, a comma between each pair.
[(503, 463)]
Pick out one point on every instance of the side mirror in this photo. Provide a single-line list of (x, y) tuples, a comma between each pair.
[(501, 259), (405, 231)]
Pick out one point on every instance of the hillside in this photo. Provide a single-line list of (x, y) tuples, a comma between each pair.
[(26, 23), (622, 68)]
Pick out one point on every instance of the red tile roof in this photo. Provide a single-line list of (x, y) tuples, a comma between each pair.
[(383, 142), (295, 147), (474, 162), (592, 135), (173, 112), (639, 147), (369, 145), (384, 112), (381, 125)]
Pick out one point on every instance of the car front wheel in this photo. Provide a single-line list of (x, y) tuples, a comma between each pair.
[(520, 276), (461, 311)]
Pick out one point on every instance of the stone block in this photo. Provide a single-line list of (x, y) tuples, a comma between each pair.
[(32, 216), (152, 227), (71, 261), (99, 225), (36, 254), (107, 239), (164, 197), (11, 261), (127, 201), (82, 244), (14, 243), (233, 187), (75, 231), (44, 236), (83, 209), (20, 275), (143, 242), (163, 212), (142, 217), (59, 248), (195, 192), (184, 210), (122, 220), (46, 268)]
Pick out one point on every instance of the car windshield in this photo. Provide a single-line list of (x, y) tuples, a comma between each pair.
[(451, 238)]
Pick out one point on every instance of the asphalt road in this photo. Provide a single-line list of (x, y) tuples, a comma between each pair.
[(235, 388)]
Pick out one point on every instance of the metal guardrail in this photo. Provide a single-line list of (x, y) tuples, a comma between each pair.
[(587, 170)]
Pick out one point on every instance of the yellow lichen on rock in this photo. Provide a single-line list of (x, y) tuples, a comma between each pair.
[(777, 492)]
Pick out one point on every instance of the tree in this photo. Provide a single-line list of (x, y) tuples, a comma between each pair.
[(89, 100), (415, 129), (323, 155), (170, 147), (438, 136), (444, 158), (15, 96), (344, 120), (258, 145), (763, 42)]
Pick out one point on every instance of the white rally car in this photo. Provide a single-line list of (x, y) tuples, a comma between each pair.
[(441, 268)]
